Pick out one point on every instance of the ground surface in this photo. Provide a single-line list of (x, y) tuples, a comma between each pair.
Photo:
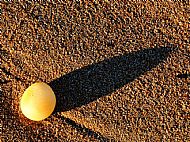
[(120, 70)]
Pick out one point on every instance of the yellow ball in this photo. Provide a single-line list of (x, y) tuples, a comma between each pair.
[(38, 101)]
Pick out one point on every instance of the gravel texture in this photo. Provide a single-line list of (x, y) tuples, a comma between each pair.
[(120, 70)]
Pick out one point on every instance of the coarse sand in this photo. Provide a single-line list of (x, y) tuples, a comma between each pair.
[(120, 70)]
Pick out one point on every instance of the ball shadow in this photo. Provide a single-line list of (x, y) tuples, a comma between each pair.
[(89, 83)]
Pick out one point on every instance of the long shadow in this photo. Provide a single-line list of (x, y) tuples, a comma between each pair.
[(89, 83)]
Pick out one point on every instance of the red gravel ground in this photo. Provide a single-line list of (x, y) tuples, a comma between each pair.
[(120, 70)]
